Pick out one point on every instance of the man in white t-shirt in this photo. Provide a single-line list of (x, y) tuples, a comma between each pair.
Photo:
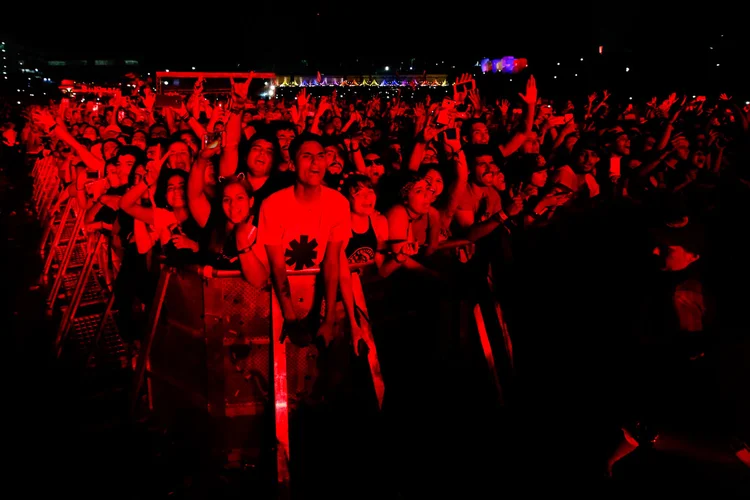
[(304, 226)]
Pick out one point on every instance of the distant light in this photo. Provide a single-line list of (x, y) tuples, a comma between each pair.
[(148, 74), (410, 67), (576, 74), (717, 64), (166, 83), (265, 83), (558, 64), (601, 49), (627, 69), (693, 97), (582, 59), (511, 79), (167, 71), (630, 98), (19, 102), (193, 68), (387, 68), (555, 76), (747, 103), (711, 48)]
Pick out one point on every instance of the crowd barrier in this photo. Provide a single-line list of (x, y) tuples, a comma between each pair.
[(78, 288), (212, 339)]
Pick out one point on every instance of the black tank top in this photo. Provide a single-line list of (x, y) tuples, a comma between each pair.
[(362, 246)]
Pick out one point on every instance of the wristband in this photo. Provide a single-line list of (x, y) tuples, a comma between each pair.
[(246, 250)]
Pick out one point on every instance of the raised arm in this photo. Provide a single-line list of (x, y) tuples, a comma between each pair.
[(519, 138), (233, 129)]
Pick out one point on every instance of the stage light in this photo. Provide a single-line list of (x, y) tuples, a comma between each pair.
[(627, 69), (387, 68)]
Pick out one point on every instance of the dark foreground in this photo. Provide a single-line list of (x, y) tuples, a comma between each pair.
[(441, 432)]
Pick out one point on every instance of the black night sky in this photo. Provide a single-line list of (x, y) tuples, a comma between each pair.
[(665, 40)]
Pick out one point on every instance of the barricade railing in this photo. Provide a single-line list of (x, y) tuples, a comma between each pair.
[(47, 187), (73, 243), (68, 232), (46, 173), (93, 333), (77, 260), (206, 313), (239, 327)]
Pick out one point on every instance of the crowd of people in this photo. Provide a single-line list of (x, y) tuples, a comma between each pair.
[(265, 186)]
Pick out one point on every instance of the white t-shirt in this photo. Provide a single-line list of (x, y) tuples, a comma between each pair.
[(304, 230)]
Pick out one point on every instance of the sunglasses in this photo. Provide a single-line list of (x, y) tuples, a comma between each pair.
[(370, 163)]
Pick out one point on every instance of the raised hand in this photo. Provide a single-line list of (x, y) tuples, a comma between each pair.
[(452, 145), (605, 95), (429, 133), (531, 92), (324, 105), (461, 80), (419, 111), (149, 99), (198, 86), (504, 106), (476, 100), (239, 90), (302, 98), (43, 118), (592, 97), (153, 168)]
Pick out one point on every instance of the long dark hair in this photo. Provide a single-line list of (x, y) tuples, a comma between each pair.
[(219, 232), (160, 197)]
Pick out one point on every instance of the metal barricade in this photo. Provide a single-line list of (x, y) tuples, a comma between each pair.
[(93, 334), (219, 321), (62, 269), (48, 182)]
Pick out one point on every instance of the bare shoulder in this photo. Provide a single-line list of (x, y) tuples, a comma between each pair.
[(396, 211), (380, 225)]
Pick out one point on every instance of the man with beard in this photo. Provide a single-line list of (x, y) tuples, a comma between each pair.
[(579, 176)]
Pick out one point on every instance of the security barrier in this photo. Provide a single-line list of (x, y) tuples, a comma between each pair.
[(79, 290), (212, 339)]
